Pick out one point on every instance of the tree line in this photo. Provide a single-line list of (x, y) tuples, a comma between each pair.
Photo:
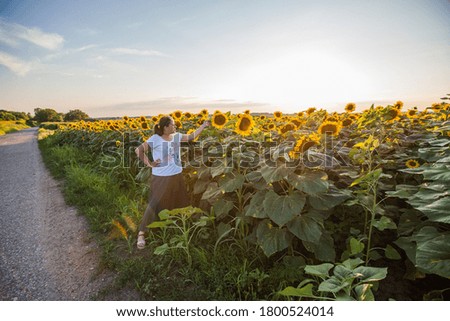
[(42, 115)]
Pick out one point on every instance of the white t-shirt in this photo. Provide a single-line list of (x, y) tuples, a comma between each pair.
[(169, 154)]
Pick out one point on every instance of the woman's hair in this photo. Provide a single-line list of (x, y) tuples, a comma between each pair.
[(163, 122)]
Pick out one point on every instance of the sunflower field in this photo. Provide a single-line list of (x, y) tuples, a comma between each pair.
[(307, 206)]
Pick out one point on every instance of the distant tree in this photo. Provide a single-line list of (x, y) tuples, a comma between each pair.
[(75, 115), (20, 115), (5, 115), (46, 115)]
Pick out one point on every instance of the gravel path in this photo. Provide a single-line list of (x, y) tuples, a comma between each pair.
[(45, 249)]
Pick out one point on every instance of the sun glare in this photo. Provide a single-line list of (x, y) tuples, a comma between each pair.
[(301, 78)]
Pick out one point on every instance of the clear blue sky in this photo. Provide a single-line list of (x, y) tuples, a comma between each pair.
[(113, 58)]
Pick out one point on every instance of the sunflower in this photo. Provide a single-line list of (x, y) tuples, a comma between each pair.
[(310, 110), (297, 122), (188, 115), (142, 119), (271, 126), (300, 114), (391, 114), (219, 120), (412, 163), (263, 117), (303, 144), (178, 124), (155, 119), (247, 111), (134, 126), (177, 114), (287, 128), (126, 118), (118, 143), (277, 114), (411, 113), (144, 125), (347, 122), (436, 107), (333, 118), (398, 105), (329, 127), (204, 113), (350, 107), (244, 125)]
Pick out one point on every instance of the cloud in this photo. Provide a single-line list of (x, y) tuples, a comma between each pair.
[(12, 33), (136, 52), (14, 64)]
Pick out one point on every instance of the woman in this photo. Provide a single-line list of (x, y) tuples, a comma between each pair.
[(168, 190)]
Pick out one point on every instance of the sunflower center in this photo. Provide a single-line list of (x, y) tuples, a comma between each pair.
[(219, 119), (307, 145), (245, 124)]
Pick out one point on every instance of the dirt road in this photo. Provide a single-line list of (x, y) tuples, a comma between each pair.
[(45, 249)]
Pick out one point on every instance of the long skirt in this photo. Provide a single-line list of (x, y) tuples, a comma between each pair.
[(166, 192)]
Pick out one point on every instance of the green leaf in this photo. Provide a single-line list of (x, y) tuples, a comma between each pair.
[(409, 220), (403, 191), (306, 228), (283, 208), (274, 174), (370, 274), (222, 207), (332, 285), (256, 179), (441, 172), (272, 239), (310, 183), (438, 211), (232, 184), (159, 224), (330, 199), (305, 291), (212, 192), (392, 253), (439, 142), (321, 270), (384, 223), (160, 250), (324, 250), (356, 246), (407, 245), (218, 168), (352, 263), (256, 208), (368, 177), (433, 256), (364, 292), (204, 178), (342, 273)]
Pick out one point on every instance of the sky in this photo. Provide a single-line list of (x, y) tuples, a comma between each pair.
[(145, 57)]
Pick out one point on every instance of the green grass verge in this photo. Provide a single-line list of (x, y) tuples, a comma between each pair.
[(10, 126)]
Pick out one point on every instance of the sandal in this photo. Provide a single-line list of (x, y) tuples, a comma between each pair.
[(141, 241)]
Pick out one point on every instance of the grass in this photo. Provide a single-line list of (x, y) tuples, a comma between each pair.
[(11, 126)]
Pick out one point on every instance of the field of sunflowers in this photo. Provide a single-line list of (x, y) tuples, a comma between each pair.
[(311, 206)]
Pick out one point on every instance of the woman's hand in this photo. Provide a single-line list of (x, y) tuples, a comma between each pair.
[(205, 124), (155, 163)]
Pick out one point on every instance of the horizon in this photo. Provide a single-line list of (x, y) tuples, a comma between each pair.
[(154, 57)]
